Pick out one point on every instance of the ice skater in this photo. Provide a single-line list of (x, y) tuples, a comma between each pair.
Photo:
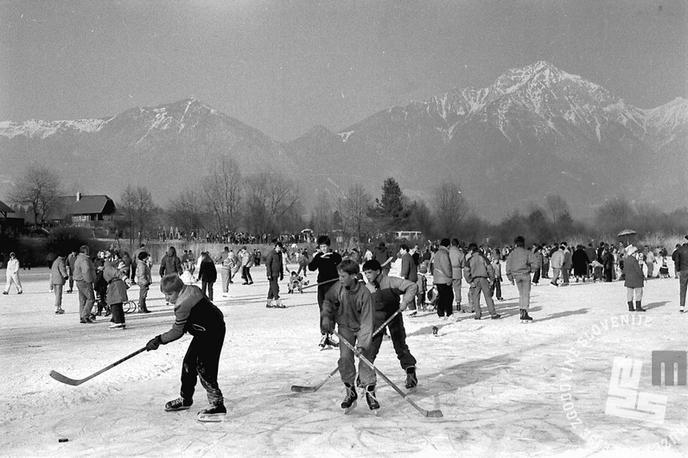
[(386, 291), (196, 314), (325, 261), (12, 275), (349, 304)]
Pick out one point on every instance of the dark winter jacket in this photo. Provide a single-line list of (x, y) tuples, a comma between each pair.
[(58, 271), (208, 272), (326, 265), (273, 265), (170, 264), (680, 257), (350, 308), (409, 268), (195, 314), (580, 262), (633, 273), (381, 254)]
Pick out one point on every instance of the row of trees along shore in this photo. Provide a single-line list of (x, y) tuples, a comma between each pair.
[(225, 200)]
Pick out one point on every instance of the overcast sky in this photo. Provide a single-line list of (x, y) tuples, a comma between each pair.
[(283, 66)]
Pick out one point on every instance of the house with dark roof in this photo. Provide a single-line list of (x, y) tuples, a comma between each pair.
[(9, 226), (82, 210), (87, 210)]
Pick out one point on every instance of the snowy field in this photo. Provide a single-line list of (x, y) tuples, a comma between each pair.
[(505, 388)]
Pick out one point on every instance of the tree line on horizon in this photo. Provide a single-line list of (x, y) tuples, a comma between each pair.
[(225, 200)]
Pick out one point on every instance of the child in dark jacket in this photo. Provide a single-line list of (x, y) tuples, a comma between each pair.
[(116, 293), (198, 316), (207, 275)]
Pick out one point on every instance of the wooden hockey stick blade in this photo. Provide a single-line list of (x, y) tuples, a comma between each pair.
[(313, 389), (64, 379), (425, 413), (74, 382)]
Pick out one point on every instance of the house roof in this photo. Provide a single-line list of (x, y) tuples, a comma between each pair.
[(4, 208), (92, 204), (87, 205)]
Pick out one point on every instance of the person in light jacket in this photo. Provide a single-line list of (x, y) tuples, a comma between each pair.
[(84, 276), (12, 275), (58, 278), (143, 279), (442, 279), (519, 265)]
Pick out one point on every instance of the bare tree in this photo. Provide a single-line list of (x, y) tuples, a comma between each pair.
[(353, 208), (557, 207), (222, 192), (39, 187), (186, 211), (271, 199), (136, 205), (321, 218), (451, 208)]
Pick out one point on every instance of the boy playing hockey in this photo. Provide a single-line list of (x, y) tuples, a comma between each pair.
[(349, 304), (195, 314)]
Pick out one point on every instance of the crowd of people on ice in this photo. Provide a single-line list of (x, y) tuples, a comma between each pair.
[(429, 278)]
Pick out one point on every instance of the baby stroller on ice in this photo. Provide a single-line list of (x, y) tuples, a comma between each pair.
[(296, 283)]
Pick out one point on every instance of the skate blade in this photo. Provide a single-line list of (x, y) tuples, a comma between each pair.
[(350, 409), (211, 418)]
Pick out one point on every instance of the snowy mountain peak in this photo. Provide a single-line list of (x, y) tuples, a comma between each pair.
[(35, 128)]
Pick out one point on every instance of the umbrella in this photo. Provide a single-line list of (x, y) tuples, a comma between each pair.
[(626, 232)]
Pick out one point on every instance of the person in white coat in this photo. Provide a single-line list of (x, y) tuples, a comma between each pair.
[(13, 275)]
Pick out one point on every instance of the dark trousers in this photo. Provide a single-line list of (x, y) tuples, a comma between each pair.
[(117, 313), (496, 288), (273, 292), (682, 287), (445, 298), (322, 290), (71, 283), (302, 268), (143, 294), (536, 276), (207, 287), (202, 360), (398, 334), (246, 274)]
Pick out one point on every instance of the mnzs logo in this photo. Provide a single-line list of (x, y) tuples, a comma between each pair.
[(670, 359), (626, 401)]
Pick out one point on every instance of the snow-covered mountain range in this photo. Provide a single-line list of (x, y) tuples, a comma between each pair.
[(536, 130)]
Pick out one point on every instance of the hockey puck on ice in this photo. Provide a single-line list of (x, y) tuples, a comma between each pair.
[(63, 439)]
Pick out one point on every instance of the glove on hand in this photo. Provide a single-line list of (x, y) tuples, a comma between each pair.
[(154, 343)]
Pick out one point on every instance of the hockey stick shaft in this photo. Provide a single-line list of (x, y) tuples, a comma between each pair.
[(426, 413), (326, 282), (311, 389), (74, 382)]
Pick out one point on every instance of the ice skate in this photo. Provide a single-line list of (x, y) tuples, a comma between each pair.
[(117, 326), (213, 414), (411, 378), (349, 401), (373, 404), (525, 318), (178, 404)]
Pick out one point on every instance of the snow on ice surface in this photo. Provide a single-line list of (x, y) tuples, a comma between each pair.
[(499, 383)]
